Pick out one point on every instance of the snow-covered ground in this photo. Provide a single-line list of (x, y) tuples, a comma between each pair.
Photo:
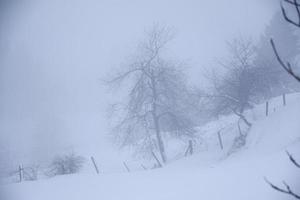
[(210, 174)]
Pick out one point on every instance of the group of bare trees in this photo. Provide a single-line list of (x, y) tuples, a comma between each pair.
[(252, 74), (237, 87), (160, 103)]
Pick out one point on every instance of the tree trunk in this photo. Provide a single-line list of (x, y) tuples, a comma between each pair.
[(242, 117), (156, 121), (159, 138), (245, 120)]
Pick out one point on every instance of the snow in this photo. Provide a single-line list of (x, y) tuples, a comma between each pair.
[(211, 173)]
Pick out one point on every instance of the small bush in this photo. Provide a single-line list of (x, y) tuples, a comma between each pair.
[(67, 164)]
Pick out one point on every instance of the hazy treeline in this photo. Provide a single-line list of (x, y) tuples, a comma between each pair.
[(161, 104)]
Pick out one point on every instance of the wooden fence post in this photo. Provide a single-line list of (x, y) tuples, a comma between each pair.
[(220, 140), (187, 151), (191, 147), (95, 165), (127, 168), (239, 128), (20, 173), (155, 157), (267, 108), (284, 100)]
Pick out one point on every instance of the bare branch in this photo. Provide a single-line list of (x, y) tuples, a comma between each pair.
[(293, 160), (286, 66), (293, 2), (121, 76), (287, 189), (296, 5), (242, 117)]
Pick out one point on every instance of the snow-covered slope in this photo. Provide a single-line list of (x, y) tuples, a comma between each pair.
[(210, 174)]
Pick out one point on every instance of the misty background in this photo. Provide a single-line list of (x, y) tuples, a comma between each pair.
[(55, 54)]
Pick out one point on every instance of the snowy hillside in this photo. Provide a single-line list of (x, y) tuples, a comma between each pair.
[(211, 173)]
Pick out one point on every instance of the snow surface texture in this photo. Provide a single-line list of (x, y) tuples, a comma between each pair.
[(209, 174)]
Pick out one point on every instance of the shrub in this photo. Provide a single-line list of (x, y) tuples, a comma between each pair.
[(66, 164)]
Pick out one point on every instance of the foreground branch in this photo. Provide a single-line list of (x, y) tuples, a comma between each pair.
[(293, 160), (286, 66), (292, 2), (296, 5), (287, 189)]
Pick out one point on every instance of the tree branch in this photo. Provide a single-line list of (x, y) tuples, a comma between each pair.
[(286, 66), (242, 117), (122, 76), (293, 160), (294, 3), (287, 189)]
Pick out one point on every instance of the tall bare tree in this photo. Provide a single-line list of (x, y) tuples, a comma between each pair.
[(158, 97)]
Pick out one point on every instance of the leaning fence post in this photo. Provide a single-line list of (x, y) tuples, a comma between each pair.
[(95, 165), (220, 140), (20, 173), (158, 162), (145, 168), (267, 108), (187, 151), (125, 165), (191, 147), (283, 98), (239, 127)]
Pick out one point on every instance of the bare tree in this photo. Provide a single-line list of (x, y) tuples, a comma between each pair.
[(296, 22), (158, 97), (233, 91)]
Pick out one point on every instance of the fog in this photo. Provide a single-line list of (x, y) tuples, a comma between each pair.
[(54, 56), (160, 99)]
